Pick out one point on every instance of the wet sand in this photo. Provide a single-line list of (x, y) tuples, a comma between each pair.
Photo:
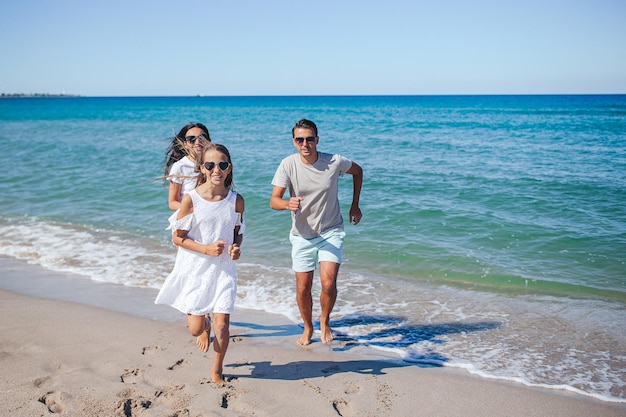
[(82, 349)]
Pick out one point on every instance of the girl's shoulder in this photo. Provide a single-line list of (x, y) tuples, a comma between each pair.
[(239, 203), (235, 195), (191, 195)]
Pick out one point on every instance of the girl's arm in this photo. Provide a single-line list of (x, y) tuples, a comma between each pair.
[(235, 249), (181, 239)]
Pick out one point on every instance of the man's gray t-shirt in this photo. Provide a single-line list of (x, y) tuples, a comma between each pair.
[(318, 185)]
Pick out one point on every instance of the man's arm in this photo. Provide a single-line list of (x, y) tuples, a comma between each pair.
[(357, 183), (278, 203)]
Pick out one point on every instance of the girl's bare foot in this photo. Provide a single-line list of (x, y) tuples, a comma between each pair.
[(204, 340), (218, 379)]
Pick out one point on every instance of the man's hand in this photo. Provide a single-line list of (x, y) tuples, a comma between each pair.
[(294, 203), (355, 215)]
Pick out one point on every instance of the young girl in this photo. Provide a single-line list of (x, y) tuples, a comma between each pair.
[(208, 232), (180, 161)]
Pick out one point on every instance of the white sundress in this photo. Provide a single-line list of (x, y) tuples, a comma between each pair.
[(202, 284)]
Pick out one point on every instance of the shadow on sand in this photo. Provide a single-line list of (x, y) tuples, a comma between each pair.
[(313, 369), (362, 330)]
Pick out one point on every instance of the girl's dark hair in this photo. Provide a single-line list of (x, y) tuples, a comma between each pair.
[(175, 151), (228, 182)]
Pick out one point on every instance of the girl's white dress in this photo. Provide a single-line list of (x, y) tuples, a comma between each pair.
[(202, 284)]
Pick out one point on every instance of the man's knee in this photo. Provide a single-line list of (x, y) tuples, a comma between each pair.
[(329, 288), (303, 292)]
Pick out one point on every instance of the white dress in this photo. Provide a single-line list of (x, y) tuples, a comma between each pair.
[(183, 172), (202, 284)]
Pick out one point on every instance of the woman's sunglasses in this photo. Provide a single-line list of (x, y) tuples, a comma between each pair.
[(192, 139), (223, 165)]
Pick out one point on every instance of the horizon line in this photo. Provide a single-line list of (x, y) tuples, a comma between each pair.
[(66, 95)]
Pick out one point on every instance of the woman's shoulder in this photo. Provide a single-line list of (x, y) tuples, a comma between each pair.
[(183, 164), (184, 161)]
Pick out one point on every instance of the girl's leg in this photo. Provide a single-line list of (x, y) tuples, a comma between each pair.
[(200, 326), (221, 327)]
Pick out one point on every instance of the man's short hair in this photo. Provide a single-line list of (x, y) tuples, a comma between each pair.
[(305, 124)]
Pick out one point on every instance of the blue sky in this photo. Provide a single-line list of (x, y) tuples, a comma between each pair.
[(321, 47)]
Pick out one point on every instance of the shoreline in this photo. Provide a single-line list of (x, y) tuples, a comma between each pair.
[(72, 346)]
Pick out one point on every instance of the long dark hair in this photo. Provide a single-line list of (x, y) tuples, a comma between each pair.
[(175, 151)]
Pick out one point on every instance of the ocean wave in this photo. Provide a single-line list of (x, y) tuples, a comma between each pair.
[(539, 340)]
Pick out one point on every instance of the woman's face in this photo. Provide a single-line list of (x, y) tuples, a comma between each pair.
[(193, 147)]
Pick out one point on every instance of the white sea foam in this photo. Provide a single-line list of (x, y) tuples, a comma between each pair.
[(573, 344), (99, 255)]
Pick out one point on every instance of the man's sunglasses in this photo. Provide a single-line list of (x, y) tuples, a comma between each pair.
[(192, 139), (308, 139), (223, 165)]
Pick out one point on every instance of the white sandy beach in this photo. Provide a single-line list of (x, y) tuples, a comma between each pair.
[(70, 356)]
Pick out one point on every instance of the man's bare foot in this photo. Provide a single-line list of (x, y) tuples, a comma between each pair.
[(218, 379), (305, 339), (327, 334), (204, 340)]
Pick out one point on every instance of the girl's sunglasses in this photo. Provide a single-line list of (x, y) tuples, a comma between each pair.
[(223, 165), (192, 139)]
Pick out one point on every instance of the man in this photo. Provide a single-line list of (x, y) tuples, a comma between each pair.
[(317, 225)]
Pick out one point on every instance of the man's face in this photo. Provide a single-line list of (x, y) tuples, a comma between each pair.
[(305, 141)]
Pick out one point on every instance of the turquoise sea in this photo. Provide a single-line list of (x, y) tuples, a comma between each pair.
[(493, 236)]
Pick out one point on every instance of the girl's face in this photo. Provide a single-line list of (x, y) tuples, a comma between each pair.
[(219, 166), (194, 139)]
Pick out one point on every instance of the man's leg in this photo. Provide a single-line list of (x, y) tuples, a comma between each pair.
[(328, 296), (304, 282)]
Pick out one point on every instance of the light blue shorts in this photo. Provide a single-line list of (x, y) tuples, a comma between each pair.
[(306, 253)]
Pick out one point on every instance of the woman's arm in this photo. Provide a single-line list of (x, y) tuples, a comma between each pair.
[(174, 193)]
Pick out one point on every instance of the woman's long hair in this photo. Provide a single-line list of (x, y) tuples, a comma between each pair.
[(176, 150)]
